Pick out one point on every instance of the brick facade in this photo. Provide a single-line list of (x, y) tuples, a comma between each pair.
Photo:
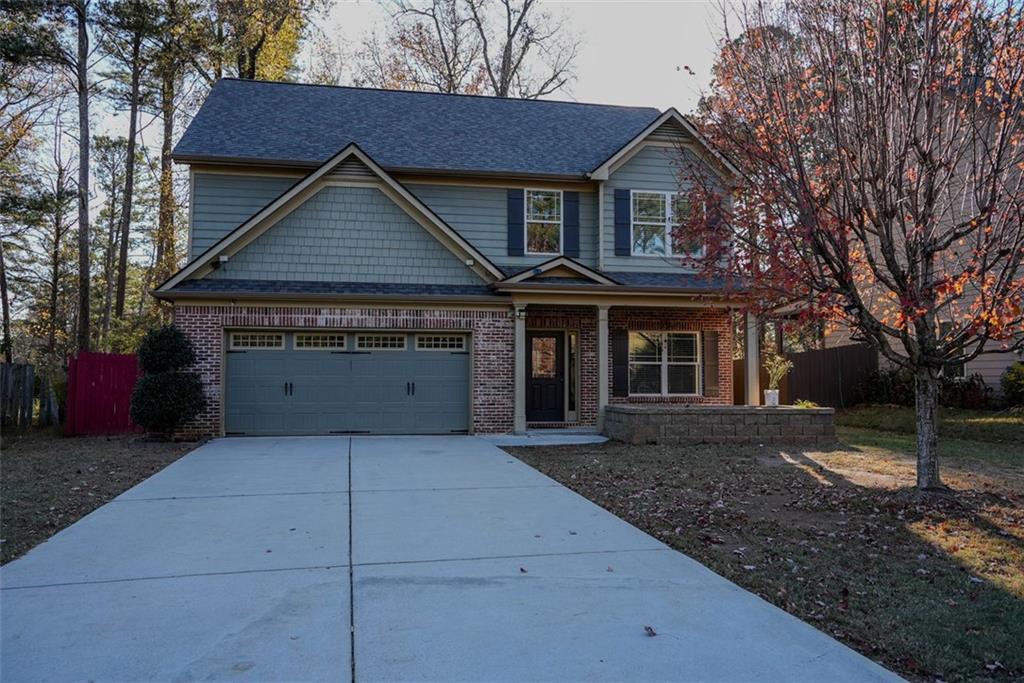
[(493, 338), (492, 334), (678, 320)]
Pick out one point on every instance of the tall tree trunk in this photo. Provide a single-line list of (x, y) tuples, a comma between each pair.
[(5, 305), (165, 247), (927, 406), (129, 179), (108, 269), (82, 73), (58, 227)]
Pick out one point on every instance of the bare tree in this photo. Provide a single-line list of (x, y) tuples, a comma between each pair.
[(508, 48), (527, 53), (881, 147)]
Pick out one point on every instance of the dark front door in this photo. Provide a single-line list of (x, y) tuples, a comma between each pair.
[(545, 377)]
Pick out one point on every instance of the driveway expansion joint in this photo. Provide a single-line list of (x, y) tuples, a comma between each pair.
[(458, 488), (128, 579), (229, 495), (516, 556)]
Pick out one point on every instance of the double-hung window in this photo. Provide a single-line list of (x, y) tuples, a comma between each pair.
[(656, 221), (664, 363), (543, 222)]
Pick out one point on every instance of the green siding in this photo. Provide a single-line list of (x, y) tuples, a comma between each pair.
[(480, 215), (220, 203), (652, 168), (348, 234)]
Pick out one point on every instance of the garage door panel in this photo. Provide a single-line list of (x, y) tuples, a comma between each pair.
[(346, 391)]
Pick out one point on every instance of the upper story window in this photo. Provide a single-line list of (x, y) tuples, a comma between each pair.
[(543, 222), (656, 216)]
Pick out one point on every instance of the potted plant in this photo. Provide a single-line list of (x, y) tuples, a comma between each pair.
[(777, 366)]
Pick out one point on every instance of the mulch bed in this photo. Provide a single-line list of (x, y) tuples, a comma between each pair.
[(931, 588), (49, 483)]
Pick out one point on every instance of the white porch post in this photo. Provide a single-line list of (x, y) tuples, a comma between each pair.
[(602, 364), (519, 368), (752, 360)]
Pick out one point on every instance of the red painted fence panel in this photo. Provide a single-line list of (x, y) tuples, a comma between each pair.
[(99, 393)]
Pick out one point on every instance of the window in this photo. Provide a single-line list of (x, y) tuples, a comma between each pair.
[(656, 215), (952, 371), (664, 363), (380, 342), (440, 342), (257, 340), (543, 222), (320, 342)]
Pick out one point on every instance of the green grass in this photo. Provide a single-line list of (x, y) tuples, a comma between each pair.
[(950, 449), (954, 424)]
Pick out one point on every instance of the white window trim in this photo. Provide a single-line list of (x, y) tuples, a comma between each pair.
[(527, 221), (669, 242), (460, 337), (296, 347), (233, 347), (360, 347), (664, 363)]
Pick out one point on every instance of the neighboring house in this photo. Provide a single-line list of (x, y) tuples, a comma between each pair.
[(395, 262)]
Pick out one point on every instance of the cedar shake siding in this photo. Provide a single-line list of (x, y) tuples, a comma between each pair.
[(348, 234)]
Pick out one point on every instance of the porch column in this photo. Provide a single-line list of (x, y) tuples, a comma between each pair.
[(602, 364), (519, 368), (752, 360)]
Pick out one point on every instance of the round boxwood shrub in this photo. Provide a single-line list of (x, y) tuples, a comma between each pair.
[(165, 397), (164, 401), (1013, 384), (165, 349)]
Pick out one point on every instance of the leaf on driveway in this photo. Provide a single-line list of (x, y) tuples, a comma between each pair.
[(650, 631)]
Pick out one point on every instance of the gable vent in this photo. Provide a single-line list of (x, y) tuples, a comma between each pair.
[(668, 132), (352, 169)]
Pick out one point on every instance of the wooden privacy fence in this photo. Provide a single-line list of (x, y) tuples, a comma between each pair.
[(829, 377), (17, 394), (99, 393)]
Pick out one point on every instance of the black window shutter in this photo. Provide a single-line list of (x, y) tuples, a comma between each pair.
[(710, 355), (515, 222), (620, 363), (571, 224), (622, 208)]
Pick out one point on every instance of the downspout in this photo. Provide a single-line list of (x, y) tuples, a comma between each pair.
[(600, 225)]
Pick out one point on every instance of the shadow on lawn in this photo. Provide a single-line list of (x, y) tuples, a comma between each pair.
[(929, 587)]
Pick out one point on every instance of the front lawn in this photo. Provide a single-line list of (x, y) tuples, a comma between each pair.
[(933, 590), (978, 425), (49, 483)]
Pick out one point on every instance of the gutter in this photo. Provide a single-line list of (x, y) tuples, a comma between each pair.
[(328, 296), (610, 289)]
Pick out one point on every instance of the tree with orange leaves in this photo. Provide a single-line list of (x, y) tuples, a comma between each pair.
[(880, 149)]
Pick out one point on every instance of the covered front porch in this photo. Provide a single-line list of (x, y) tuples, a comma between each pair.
[(573, 359)]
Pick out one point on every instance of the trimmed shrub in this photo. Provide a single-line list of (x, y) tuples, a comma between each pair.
[(1012, 381), (164, 401), (892, 385), (165, 349), (965, 392), (165, 397)]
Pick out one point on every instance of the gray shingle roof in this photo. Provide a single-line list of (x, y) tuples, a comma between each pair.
[(285, 122), (239, 286), (687, 281)]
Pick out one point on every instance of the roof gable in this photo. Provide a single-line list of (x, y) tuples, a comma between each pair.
[(673, 128), (253, 121), (349, 165), (561, 268)]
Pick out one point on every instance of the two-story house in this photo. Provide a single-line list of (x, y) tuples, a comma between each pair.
[(369, 261)]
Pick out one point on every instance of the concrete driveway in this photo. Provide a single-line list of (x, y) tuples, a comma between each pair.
[(382, 558)]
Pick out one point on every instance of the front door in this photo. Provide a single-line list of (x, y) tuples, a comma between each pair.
[(545, 377)]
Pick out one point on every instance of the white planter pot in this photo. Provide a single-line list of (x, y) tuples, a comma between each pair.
[(771, 397)]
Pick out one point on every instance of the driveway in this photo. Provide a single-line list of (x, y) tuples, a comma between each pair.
[(382, 558)]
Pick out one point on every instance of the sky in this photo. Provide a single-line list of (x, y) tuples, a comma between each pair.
[(633, 51)]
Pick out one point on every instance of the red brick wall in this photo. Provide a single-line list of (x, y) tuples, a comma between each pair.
[(677, 320), (585, 321), (493, 336)]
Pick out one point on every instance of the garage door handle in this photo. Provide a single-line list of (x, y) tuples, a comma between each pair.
[(414, 388), (286, 388), (291, 389), (408, 388)]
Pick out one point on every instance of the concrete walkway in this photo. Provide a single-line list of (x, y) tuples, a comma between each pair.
[(252, 559)]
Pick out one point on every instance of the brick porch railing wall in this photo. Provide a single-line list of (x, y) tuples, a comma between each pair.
[(685, 425)]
